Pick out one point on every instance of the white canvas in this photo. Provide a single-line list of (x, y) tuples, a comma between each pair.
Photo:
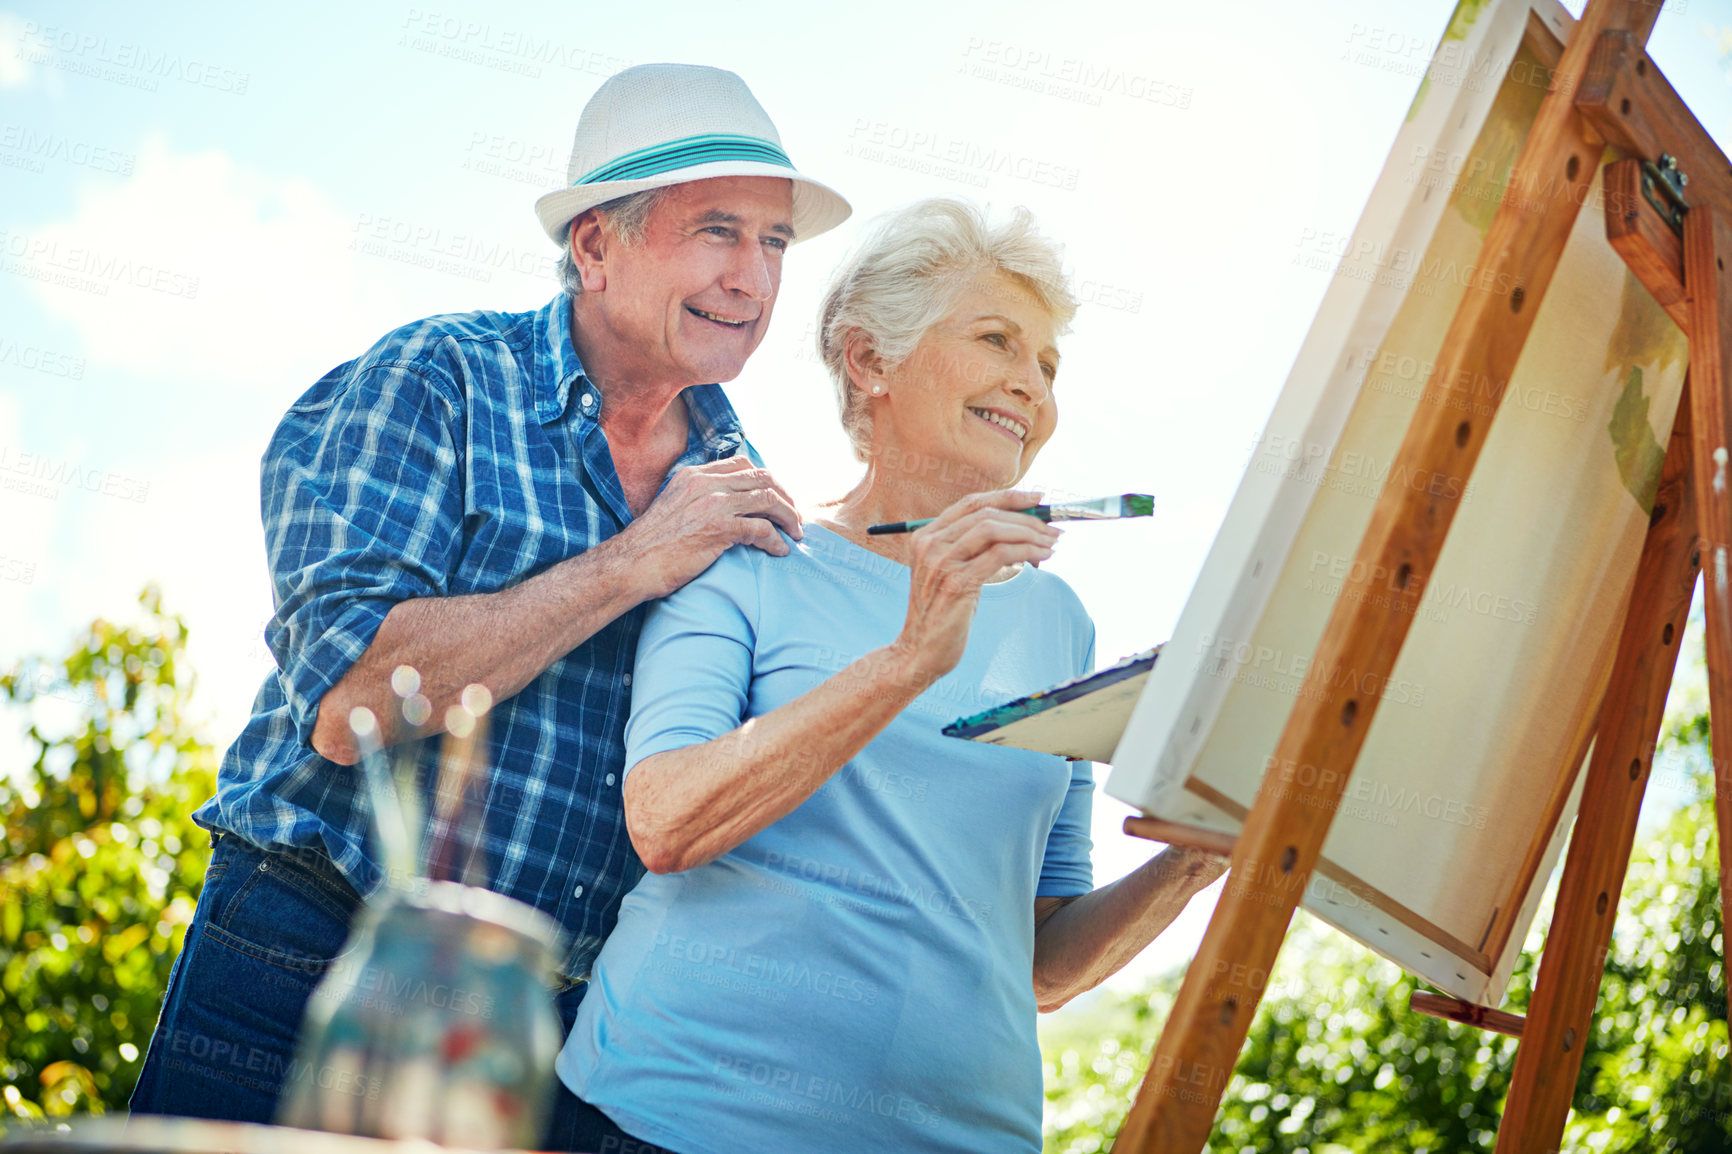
[(1469, 777)]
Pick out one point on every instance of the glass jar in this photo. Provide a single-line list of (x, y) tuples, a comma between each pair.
[(437, 1021)]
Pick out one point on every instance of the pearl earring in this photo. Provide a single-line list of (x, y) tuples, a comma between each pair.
[(877, 390)]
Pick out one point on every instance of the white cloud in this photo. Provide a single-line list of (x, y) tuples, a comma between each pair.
[(198, 535), (201, 271), (25, 547), (68, 556), (29, 513), (231, 291), (195, 271), (15, 70), (191, 271)]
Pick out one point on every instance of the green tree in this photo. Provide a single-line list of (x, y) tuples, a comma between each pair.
[(1657, 1077), (102, 864), (1337, 1062)]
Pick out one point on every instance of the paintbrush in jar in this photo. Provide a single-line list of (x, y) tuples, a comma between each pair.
[(396, 841), (460, 754)]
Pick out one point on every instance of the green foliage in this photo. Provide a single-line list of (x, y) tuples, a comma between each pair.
[(1339, 1060), (1658, 1075), (1337, 1063), (101, 865)]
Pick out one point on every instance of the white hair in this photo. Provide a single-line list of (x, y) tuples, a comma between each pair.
[(627, 217), (906, 276)]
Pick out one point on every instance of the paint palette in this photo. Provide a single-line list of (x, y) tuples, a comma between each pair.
[(1081, 718)]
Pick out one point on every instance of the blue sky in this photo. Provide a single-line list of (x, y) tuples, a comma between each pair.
[(204, 207)]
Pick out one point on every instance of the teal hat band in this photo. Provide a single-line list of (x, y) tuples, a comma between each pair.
[(687, 153)]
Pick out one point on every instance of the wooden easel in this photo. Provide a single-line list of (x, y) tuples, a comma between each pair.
[(1605, 91)]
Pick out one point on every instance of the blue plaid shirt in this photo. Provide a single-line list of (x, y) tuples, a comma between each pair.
[(460, 454)]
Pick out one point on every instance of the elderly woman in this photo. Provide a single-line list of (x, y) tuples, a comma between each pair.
[(850, 919)]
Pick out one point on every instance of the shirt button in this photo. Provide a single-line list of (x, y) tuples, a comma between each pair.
[(610, 779), (587, 400), (627, 679), (578, 892)]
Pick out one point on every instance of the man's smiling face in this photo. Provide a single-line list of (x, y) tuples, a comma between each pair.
[(692, 301)]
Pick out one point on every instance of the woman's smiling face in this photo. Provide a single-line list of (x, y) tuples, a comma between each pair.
[(975, 398)]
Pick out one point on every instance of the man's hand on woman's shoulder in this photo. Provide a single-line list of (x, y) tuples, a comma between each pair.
[(703, 511)]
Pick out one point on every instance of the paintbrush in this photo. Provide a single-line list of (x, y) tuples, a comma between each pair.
[(472, 826), (396, 842), (1100, 509), (461, 753), (415, 710)]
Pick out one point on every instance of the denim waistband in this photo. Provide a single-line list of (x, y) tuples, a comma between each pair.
[(313, 863)]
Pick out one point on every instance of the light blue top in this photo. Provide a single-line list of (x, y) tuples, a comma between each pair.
[(858, 976)]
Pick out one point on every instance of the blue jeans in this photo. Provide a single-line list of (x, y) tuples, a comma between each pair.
[(268, 926)]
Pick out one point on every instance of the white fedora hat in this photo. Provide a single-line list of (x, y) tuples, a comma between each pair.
[(659, 124)]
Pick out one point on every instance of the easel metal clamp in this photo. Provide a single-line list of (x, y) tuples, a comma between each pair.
[(1663, 187)]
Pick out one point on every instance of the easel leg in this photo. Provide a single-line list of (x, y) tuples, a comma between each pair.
[(1561, 1010), (1707, 253)]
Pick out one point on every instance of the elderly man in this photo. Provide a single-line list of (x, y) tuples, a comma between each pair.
[(493, 497)]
